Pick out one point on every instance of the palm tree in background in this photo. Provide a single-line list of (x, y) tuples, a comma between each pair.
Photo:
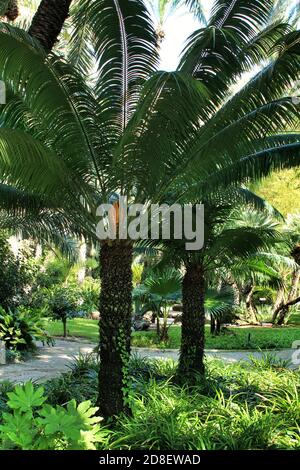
[(232, 236), (44, 18), (132, 131)]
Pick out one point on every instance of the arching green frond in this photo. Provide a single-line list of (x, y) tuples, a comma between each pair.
[(244, 17), (219, 303), (155, 140), (219, 52), (27, 163), (243, 135), (245, 237), (277, 260), (46, 85), (253, 200), (81, 52), (44, 227), (258, 271), (256, 166), (269, 84), (125, 49), (15, 201)]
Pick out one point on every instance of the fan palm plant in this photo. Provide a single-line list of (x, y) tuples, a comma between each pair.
[(132, 131), (163, 290)]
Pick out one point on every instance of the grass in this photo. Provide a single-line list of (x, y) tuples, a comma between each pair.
[(236, 407), (235, 338)]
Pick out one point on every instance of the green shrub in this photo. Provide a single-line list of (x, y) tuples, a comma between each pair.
[(89, 294), (33, 425), (237, 407), (5, 387), (53, 272), (19, 330)]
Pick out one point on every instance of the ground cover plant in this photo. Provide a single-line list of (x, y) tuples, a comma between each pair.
[(237, 407)]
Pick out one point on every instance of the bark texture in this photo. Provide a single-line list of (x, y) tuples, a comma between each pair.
[(283, 311), (193, 321), (115, 327), (251, 310), (12, 11), (48, 21)]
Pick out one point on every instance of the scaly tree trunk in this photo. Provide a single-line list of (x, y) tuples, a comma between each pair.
[(48, 21), (193, 321), (283, 312), (212, 325), (115, 326)]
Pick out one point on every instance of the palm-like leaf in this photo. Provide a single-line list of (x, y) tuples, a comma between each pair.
[(124, 44), (219, 303), (165, 285)]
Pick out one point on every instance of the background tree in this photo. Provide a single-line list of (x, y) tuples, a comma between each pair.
[(230, 236), (283, 304)]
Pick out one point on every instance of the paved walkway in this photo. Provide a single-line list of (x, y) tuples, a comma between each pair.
[(51, 362)]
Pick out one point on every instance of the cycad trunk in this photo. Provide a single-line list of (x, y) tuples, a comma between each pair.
[(193, 321), (115, 326), (48, 21)]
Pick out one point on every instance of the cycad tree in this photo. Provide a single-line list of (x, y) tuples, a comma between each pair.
[(106, 122), (232, 235)]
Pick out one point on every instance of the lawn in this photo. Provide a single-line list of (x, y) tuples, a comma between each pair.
[(236, 338)]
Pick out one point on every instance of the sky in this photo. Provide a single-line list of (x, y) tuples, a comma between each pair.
[(178, 28)]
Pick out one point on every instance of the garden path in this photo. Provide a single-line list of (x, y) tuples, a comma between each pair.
[(49, 362)]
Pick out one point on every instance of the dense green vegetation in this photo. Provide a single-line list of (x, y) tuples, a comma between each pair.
[(97, 145), (236, 407), (282, 190)]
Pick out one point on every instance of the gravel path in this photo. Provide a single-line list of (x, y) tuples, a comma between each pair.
[(51, 362)]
